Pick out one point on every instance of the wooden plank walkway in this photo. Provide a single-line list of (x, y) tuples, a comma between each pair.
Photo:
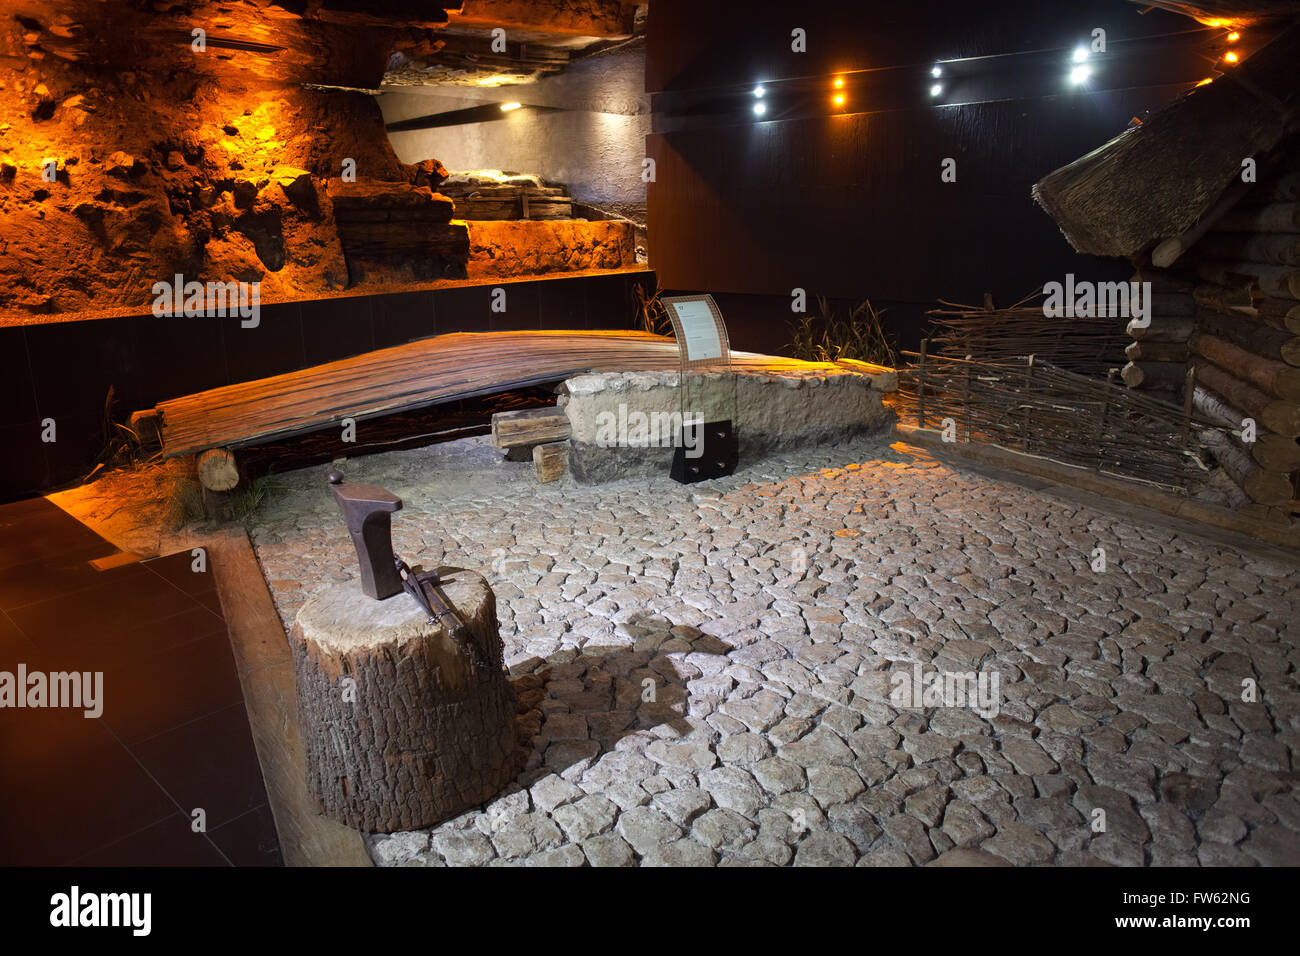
[(444, 368)]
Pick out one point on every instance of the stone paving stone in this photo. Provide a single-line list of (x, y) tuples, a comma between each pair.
[(964, 823), (680, 853), (1120, 692), (733, 789), (608, 850), (1020, 844), (551, 791), (825, 848), (463, 848), (856, 823), (683, 806), (778, 776), (590, 816), (721, 829), (529, 833)]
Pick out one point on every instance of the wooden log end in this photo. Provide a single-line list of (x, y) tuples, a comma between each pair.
[(551, 460), (218, 470)]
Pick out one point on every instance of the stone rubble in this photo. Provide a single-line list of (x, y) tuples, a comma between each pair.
[(708, 669)]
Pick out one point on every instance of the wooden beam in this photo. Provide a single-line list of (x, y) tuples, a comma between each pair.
[(531, 426)]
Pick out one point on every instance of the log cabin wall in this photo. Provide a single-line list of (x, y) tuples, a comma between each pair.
[(1228, 312)]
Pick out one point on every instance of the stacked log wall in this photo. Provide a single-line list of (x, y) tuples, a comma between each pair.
[(1228, 311)]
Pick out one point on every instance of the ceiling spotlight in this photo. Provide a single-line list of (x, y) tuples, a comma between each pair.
[(759, 92), (936, 72), (760, 109), (1234, 37), (507, 107), (1079, 75), (839, 82), (936, 89), (838, 99), (1230, 57), (1080, 54)]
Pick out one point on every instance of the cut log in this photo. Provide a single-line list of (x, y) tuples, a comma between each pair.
[(1275, 453), (1282, 418), (1215, 410), (1273, 217), (1264, 487), (1283, 313), (1163, 330), (1229, 298), (532, 426), (1271, 452), (1254, 336), (551, 460), (1274, 249), (1273, 377), (1166, 375), (1148, 351), (147, 426), (402, 724), (218, 470), (1282, 281)]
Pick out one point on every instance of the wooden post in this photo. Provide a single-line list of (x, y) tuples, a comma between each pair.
[(920, 385), (966, 408), (1189, 394), (1101, 421), (1029, 373)]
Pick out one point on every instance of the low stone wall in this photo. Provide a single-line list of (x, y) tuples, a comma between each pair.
[(624, 424), (511, 247)]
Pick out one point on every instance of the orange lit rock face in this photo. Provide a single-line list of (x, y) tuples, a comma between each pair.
[(215, 163), (518, 248)]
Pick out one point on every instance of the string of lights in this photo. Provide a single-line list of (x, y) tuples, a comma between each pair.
[(1084, 65)]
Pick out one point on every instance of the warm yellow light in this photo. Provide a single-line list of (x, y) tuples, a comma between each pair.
[(1230, 57), (839, 99), (1206, 82), (839, 82), (1234, 37), (507, 107)]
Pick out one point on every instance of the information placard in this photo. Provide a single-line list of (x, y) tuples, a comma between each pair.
[(701, 333)]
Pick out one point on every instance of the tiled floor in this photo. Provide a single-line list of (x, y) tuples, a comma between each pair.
[(173, 736)]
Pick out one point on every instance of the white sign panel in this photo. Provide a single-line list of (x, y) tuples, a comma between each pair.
[(701, 334), (701, 331)]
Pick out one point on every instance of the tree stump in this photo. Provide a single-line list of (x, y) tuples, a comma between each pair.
[(400, 727)]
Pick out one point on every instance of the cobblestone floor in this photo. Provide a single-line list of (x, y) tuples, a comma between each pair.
[(769, 611)]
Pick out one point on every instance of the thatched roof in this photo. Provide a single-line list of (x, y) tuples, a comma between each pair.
[(1156, 180), (1234, 12)]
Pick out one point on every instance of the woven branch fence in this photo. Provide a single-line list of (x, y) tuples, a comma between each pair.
[(1032, 406)]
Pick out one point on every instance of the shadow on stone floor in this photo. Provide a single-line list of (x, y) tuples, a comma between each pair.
[(578, 705)]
